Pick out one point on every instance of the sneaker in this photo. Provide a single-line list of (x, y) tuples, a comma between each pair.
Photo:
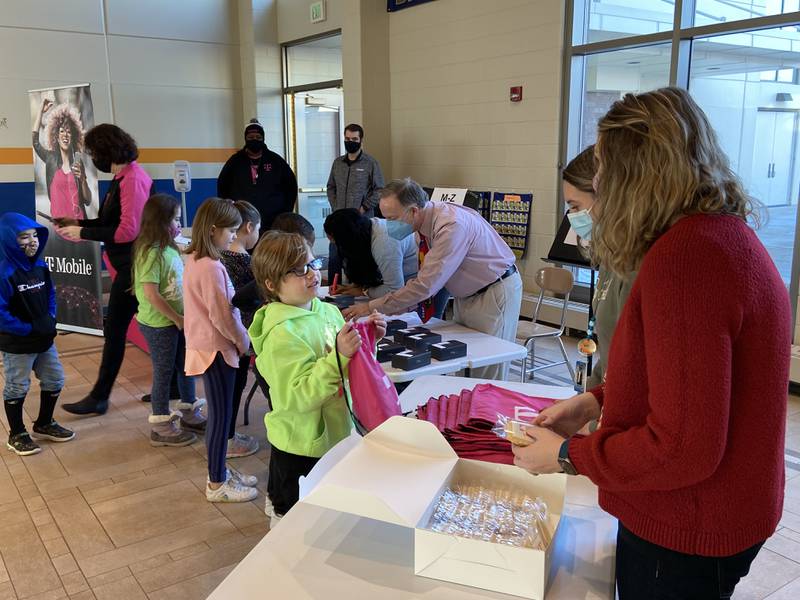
[(53, 432), (231, 491), (241, 445), (192, 418), (167, 432), (248, 480), (22, 444), (269, 510)]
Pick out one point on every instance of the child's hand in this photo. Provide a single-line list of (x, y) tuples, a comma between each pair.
[(379, 321), (179, 322), (348, 340)]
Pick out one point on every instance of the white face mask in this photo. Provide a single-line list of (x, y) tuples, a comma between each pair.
[(581, 222)]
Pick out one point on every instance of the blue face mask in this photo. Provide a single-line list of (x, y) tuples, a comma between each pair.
[(399, 230), (581, 222)]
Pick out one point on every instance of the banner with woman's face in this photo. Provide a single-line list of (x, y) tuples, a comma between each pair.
[(65, 183)]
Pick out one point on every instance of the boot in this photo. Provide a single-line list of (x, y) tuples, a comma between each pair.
[(87, 406), (192, 418), (167, 432)]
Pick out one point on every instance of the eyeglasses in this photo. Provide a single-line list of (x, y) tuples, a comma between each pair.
[(314, 265)]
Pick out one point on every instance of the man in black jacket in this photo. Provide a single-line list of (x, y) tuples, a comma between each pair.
[(27, 331), (260, 176)]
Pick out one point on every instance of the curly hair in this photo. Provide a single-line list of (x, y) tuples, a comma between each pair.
[(111, 143), (58, 117), (658, 159)]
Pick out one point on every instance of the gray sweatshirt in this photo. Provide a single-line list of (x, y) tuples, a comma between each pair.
[(355, 184), (398, 260)]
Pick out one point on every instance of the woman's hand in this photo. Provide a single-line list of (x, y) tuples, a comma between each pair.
[(379, 321), (47, 104), (356, 311), (541, 456), (348, 340), (568, 416), (78, 171), (70, 232)]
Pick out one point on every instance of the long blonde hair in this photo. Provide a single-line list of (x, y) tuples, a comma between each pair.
[(213, 212), (659, 159)]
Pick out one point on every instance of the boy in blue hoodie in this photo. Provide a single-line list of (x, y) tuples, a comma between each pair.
[(27, 331)]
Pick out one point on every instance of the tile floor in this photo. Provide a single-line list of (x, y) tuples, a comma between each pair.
[(108, 517)]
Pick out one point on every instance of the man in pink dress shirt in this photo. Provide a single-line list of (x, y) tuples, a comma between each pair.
[(466, 255)]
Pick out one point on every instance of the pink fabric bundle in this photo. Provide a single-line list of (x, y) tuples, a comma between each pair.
[(466, 420)]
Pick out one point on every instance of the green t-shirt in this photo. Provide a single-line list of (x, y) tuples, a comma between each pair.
[(166, 269)]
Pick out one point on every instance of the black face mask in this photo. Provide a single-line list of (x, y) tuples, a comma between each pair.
[(102, 165), (352, 147), (255, 145)]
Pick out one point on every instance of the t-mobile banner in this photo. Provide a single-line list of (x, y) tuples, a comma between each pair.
[(66, 187)]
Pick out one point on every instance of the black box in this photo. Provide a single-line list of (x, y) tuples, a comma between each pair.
[(421, 341), (387, 349), (341, 300), (448, 350), (408, 360), (401, 334), (395, 325)]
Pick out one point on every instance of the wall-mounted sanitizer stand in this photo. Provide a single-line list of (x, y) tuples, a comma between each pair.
[(182, 178)]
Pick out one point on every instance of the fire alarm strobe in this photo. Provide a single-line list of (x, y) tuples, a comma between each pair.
[(516, 93)]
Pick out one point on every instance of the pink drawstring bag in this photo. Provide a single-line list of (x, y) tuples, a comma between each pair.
[(373, 398)]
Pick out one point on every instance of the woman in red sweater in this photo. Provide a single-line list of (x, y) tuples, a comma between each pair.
[(689, 452)]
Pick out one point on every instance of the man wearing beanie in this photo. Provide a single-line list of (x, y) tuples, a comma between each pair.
[(260, 176)]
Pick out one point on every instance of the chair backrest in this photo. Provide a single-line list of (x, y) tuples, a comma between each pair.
[(556, 281)]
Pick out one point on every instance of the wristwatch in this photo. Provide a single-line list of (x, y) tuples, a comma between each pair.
[(563, 459)]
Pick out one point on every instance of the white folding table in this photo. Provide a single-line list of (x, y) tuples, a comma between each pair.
[(316, 553)]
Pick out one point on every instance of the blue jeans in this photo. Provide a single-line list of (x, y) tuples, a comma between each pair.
[(17, 369), (167, 352)]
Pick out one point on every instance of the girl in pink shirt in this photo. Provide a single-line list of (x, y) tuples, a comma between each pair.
[(215, 339)]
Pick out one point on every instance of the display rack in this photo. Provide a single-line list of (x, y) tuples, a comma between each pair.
[(511, 217)]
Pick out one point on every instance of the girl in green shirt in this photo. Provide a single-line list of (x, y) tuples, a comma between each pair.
[(158, 284)]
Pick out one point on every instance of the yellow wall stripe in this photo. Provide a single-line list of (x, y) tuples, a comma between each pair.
[(24, 156)]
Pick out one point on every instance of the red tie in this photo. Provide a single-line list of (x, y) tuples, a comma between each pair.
[(425, 308)]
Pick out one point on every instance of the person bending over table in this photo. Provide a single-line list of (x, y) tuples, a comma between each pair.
[(376, 259), (689, 455), (466, 255)]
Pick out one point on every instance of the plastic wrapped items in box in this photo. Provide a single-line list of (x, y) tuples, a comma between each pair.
[(501, 516)]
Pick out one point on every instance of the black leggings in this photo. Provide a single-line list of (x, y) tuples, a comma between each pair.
[(122, 306)]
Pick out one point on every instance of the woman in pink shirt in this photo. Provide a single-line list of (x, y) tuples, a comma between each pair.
[(215, 339), (117, 224)]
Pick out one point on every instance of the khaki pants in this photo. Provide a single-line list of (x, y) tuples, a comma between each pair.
[(496, 312)]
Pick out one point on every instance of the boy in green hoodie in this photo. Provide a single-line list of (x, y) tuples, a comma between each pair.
[(295, 337)]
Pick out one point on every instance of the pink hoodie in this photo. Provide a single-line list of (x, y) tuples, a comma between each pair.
[(211, 323)]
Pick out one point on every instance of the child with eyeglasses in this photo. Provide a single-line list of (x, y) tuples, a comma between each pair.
[(296, 337)]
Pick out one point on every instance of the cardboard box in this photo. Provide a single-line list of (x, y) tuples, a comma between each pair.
[(401, 334), (448, 350), (408, 360), (396, 474), (421, 341), (394, 325), (387, 349)]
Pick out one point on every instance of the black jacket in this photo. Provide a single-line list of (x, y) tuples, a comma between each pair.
[(273, 193), (104, 227), (27, 295)]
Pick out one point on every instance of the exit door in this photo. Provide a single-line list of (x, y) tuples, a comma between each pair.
[(773, 158)]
